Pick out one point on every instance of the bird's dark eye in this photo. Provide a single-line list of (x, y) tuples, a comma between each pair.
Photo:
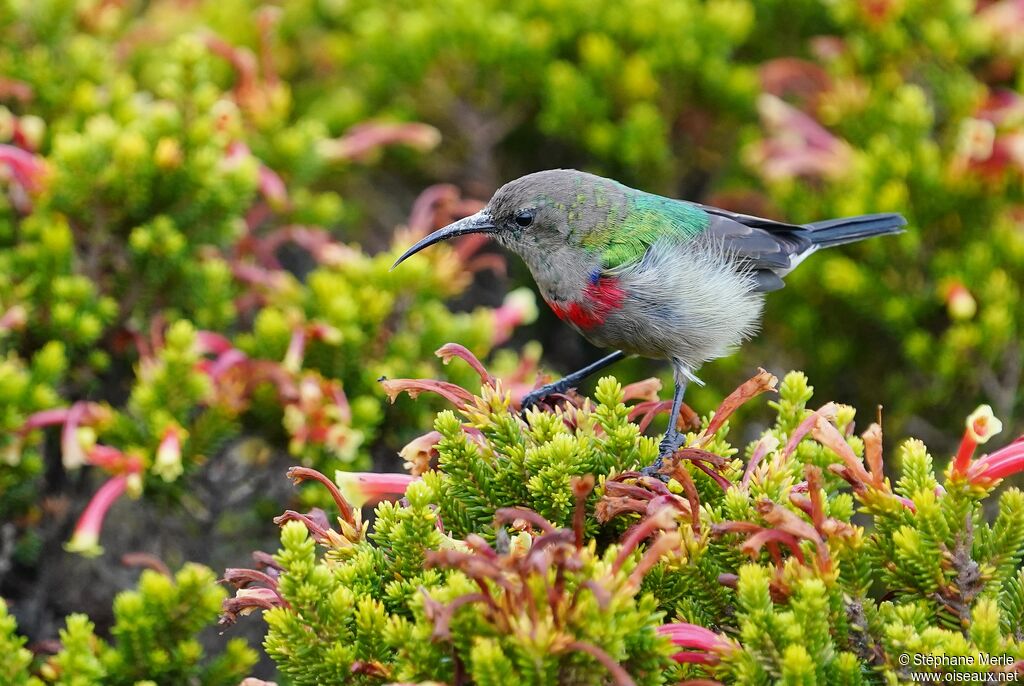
[(524, 218)]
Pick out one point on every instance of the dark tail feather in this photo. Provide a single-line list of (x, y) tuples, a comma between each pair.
[(850, 229)]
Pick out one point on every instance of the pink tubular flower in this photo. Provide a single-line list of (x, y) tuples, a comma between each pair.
[(85, 540), (25, 168), (112, 460), (272, 188), (167, 464), (364, 488), (211, 342), (692, 636), (72, 453), (998, 465), (249, 600), (319, 414), (982, 425), (316, 331), (363, 139), (94, 413), (456, 395), (418, 453)]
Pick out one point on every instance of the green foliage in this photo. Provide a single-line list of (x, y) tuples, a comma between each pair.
[(607, 79), (149, 205), (915, 111), (502, 556), (803, 110), (154, 639)]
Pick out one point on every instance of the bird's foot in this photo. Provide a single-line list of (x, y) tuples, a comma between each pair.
[(538, 395), (672, 442)]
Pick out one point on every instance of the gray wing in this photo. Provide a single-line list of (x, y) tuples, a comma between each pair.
[(772, 248)]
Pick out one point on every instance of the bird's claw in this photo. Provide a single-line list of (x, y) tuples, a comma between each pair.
[(537, 397), (669, 445)]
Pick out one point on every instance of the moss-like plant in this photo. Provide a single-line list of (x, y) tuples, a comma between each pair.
[(154, 640), (530, 549)]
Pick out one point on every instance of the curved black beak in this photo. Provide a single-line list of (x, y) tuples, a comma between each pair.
[(476, 223)]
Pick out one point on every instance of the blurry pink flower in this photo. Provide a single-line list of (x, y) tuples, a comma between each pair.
[(363, 139), (1003, 21), (85, 539), (167, 464), (72, 452), (25, 168), (992, 141), (685, 635), (794, 77), (796, 145), (316, 331), (362, 488), (320, 415), (272, 188), (14, 319), (211, 342), (519, 308), (93, 413), (112, 460)]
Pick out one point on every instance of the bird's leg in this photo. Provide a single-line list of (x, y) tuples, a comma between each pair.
[(673, 436), (569, 381)]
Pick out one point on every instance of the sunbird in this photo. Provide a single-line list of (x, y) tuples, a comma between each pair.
[(648, 275)]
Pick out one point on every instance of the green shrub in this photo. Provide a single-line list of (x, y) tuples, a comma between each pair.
[(154, 639), (532, 552), (170, 281)]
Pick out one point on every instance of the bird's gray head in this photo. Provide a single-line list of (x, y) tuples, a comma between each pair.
[(540, 212)]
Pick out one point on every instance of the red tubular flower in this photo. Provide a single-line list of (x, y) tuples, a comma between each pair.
[(982, 425), (362, 488), (686, 635), (86, 538)]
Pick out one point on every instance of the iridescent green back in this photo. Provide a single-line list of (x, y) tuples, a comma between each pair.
[(649, 218)]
